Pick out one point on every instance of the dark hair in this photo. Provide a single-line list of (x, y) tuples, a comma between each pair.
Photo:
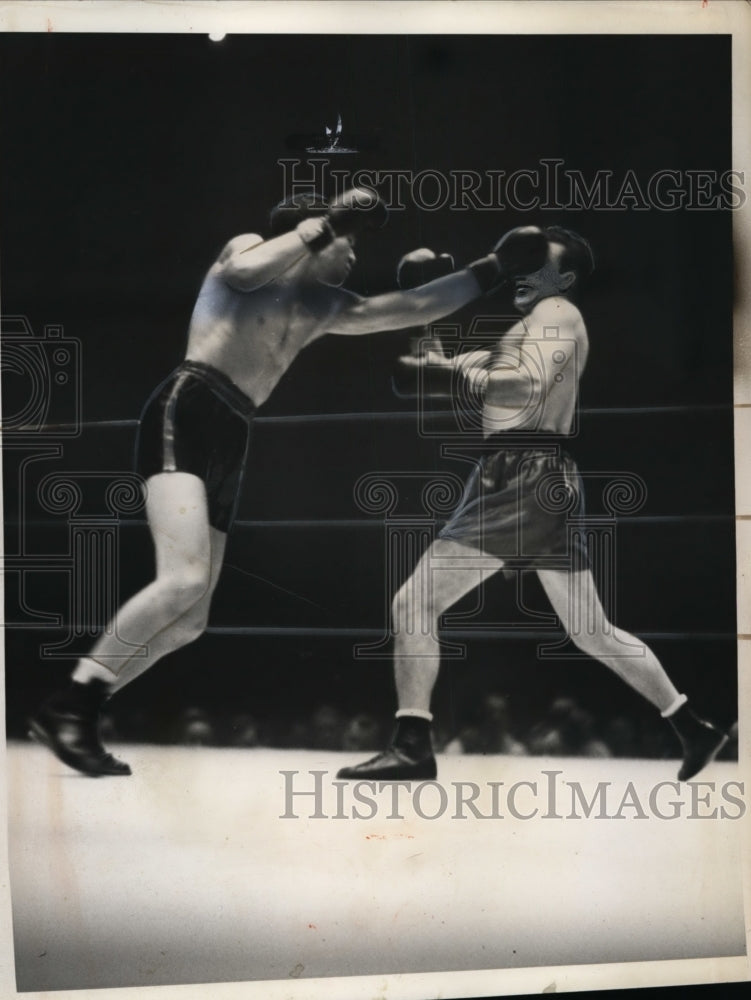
[(577, 254), (285, 216)]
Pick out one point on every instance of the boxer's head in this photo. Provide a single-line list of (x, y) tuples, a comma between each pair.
[(569, 262), (576, 252), (332, 265)]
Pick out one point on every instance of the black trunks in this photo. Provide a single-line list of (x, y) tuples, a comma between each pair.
[(198, 421), (519, 504)]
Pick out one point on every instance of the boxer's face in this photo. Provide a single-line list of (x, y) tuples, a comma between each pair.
[(335, 261), (529, 289)]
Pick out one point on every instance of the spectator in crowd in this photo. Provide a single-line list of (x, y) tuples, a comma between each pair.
[(567, 731)]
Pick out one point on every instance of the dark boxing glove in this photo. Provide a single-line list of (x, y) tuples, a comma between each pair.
[(354, 212), (521, 251), (420, 266), (415, 269)]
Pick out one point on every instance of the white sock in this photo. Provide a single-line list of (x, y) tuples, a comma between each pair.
[(417, 713), (673, 708), (89, 670)]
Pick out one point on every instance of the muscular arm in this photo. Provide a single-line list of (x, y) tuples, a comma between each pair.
[(248, 262), (399, 310)]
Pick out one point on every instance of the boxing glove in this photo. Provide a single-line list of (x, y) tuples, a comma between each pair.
[(420, 266), (523, 250), (355, 211)]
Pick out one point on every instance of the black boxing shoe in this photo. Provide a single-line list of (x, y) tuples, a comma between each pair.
[(68, 725), (393, 765), (701, 749), (701, 741)]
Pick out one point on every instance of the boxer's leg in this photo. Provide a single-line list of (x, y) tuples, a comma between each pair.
[(446, 572), (576, 602), (159, 617)]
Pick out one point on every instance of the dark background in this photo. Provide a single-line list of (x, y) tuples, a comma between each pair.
[(127, 163)]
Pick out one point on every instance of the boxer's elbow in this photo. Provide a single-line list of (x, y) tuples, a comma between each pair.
[(244, 277), (241, 269)]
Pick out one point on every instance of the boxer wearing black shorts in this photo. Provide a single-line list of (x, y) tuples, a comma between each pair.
[(198, 421), (517, 512), (260, 304)]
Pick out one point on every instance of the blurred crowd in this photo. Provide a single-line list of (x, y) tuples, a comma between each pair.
[(566, 729)]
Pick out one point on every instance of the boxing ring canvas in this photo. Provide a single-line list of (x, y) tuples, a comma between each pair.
[(137, 140)]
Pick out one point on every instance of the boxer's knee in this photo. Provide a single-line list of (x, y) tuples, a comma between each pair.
[(177, 596), (416, 607), (597, 642)]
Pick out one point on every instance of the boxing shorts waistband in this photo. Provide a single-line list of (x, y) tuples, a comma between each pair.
[(222, 385), (531, 441)]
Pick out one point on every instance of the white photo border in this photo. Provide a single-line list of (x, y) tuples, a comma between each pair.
[(439, 17)]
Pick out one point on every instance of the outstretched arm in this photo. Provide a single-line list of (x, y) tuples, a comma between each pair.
[(520, 251), (414, 307)]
